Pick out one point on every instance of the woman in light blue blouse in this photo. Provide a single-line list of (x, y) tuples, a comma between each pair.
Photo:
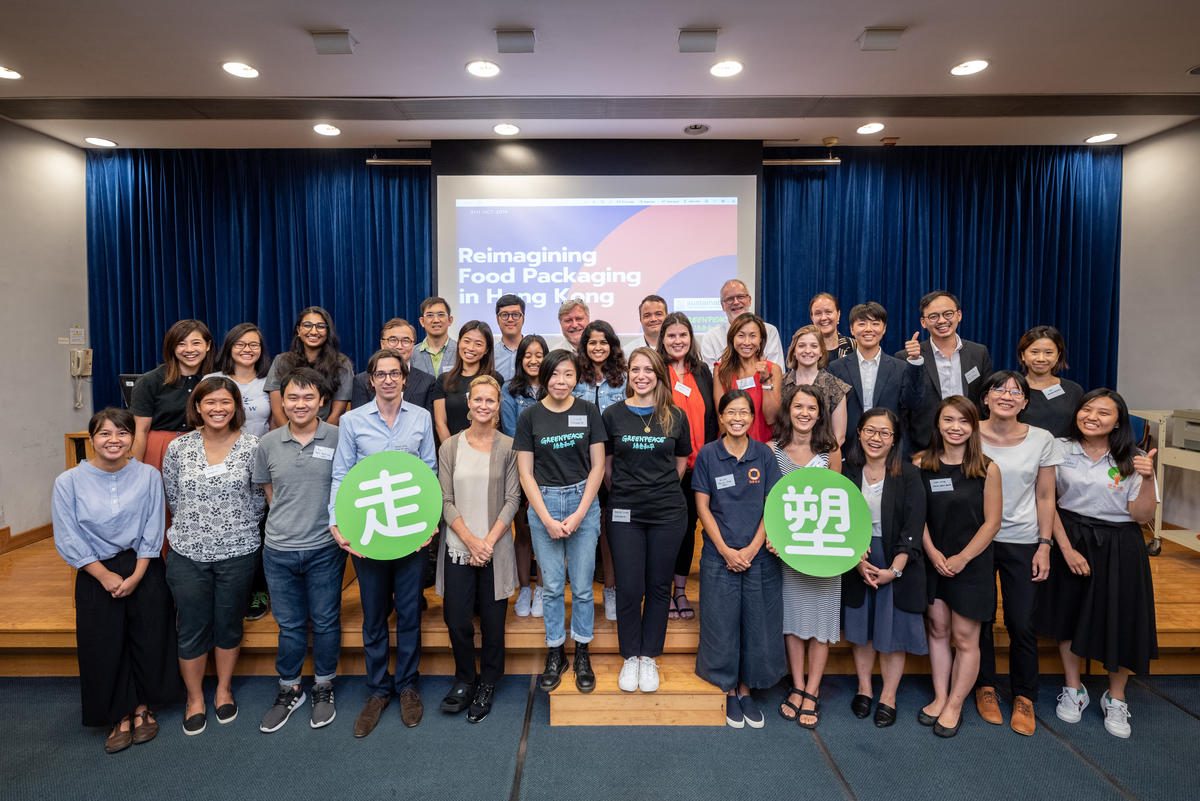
[(213, 539), (108, 524)]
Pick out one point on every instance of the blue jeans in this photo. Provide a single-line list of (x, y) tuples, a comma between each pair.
[(306, 585), (578, 551)]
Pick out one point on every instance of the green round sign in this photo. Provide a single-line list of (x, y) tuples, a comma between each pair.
[(818, 521), (388, 505)]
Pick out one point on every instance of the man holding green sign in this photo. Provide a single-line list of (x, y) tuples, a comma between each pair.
[(388, 511)]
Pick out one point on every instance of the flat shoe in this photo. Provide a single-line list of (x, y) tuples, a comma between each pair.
[(147, 730), (195, 724), (226, 713), (885, 715), (947, 731), (459, 698), (860, 705), (925, 719), (118, 740)]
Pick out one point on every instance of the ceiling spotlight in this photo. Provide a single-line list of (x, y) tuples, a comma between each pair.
[(239, 69), (506, 129), (1098, 138), (870, 128), (726, 69), (969, 67), (325, 129), (696, 129), (483, 69), (11, 75), (98, 142)]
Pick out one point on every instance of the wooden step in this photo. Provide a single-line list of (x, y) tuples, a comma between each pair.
[(682, 699)]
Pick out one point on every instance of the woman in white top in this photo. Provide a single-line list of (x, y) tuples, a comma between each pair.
[(244, 360), (1026, 456)]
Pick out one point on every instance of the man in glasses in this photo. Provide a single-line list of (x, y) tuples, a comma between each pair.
[(953, 365), (398, 335), (436, 353), (735, 300), (510, 317)]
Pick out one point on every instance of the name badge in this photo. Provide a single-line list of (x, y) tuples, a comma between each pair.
[(620, 515), (941, 484), (577, 421), (214, 470), (746, 383), (1053, 392), (725, 482), (972, 374), (321, 452), (683, 389)]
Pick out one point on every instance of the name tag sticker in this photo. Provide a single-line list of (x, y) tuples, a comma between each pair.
[(577, 420), (745, 383), (620, 515), (683, 389), (321, 452), (972, 374), (725, 482), (214, 470), (1053, 392), (941, 484)]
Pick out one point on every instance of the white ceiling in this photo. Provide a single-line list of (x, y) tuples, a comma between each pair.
[(616, 48)]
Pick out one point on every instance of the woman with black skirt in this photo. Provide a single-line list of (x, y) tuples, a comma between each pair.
[(108, 524), (1099, 600)]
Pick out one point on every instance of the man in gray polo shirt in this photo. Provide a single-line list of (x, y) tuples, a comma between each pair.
[(303, 565)]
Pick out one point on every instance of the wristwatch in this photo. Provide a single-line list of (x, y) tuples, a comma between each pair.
[(1043, 541), (897, 572)]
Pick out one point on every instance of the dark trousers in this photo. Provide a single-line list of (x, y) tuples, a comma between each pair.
[(687, 547), (1014, 564), (126, 646), (383, 585), (464, 586), (643, 557)]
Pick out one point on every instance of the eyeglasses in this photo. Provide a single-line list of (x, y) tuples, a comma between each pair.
[(435, 315), (387, 375), (307, 326), (742, 298), (1016, 393), (505, 317), (392, 342), (947, 316), (246, 346), (737, 414), (877, 433)]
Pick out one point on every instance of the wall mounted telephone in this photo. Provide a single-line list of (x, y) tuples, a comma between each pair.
[(81, 362)]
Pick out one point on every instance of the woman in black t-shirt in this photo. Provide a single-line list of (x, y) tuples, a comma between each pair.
[(160, 397), (648, 447), (450, 390), (1042, 354)]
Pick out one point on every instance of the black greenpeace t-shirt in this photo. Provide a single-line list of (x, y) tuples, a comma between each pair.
[(645, 482), (560, 441)]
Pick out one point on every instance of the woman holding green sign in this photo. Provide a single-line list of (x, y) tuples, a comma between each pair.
[(964, 503)]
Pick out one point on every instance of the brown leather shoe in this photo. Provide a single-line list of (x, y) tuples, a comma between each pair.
[(118, 740), (1023, 721), (411, 708), (988, 706), (369, 717), (145, 728)]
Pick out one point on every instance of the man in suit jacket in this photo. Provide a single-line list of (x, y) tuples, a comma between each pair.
[(436, 353), (399, 335), (953, 365), (875, 378)]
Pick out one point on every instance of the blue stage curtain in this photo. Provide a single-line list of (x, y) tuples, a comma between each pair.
[(227, 236), (1023, 236)]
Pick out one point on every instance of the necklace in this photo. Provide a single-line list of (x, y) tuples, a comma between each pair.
[(645, 421)]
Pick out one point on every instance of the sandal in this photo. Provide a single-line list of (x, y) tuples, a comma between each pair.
[(684, 609), (787, 702), (672, 612), (814, 713)]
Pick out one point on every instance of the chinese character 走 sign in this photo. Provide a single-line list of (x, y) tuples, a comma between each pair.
[(818, 521), (388, 505)]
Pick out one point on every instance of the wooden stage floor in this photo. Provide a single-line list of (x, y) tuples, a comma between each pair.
[(37, 624)]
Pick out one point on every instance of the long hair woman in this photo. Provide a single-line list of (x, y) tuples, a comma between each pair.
[(743, 366), (315, 344)]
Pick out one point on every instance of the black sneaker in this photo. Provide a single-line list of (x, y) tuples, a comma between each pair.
[(556, 665), (481, 704), (260, 602), (323, 712), (459, 697), (585, 679), (285, 703)]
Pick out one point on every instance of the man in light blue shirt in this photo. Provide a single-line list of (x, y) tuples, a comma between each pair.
[(510, 318), (386, 423)]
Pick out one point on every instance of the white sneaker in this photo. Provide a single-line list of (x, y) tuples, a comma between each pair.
[(610, 603), (524, 599), (535, 606), (647, 674), (1071, 703), (628, 680), (1116, 716)]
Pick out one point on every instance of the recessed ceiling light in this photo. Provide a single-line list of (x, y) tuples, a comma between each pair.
[(1098, 138), (98, 142), (325, 129), (969, 67), (483, 69), (11, 75), (870, 128), (239, 69), (726, 69), (506, 129)]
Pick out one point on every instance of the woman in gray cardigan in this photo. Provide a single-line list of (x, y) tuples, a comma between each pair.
[(477, 469)]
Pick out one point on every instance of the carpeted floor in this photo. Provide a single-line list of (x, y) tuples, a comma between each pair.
[(48, 756)]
